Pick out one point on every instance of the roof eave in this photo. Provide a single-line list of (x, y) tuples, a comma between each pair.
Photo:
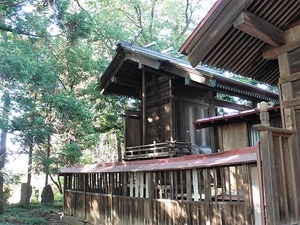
[(211, 28)]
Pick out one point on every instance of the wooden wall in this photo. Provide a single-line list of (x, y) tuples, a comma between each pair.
[(177, 105), (171, 107), (132, 130), (159, 125), (233, 136), (241, 134)]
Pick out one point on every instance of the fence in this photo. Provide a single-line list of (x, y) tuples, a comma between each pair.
[(223, 190)]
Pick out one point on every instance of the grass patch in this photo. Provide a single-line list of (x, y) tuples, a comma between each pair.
[(38, 214)]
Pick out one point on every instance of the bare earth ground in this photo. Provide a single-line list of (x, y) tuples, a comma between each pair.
[(54, 218)]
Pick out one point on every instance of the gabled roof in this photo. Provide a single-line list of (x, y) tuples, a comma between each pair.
[(123, 75), (221, 39)]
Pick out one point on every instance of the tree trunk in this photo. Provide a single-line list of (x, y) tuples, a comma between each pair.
[(28, 185), (48, 155), (48, 151), (2, 162), (6, 100)]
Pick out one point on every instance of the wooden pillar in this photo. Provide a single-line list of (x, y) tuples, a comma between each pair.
[(288, 55), (268, 169), (144, 105), (289, 85), (214, 142), (172, 113), (278, 172), (85, 184)]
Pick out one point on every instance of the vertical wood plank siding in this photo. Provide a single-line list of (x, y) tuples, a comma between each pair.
[(217, 195)]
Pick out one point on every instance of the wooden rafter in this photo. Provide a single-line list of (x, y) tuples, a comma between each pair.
[(126, 82), (260, 29)]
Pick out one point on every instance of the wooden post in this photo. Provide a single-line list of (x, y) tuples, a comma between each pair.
[(172, 122), (85, 183), (131, 177), (188, 185), (141, 181), (269, 170), (195, 185), (137, 184), (213, 130), (144, 105), (290, 109), (264, 115)]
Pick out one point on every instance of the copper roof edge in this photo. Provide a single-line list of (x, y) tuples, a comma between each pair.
[(229, 157), (233, 115)]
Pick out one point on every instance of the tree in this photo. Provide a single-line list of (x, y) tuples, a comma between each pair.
[(3, 138), (50, 58)]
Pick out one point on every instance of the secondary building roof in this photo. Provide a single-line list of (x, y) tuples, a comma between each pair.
[(226, 158), (237, 36), (123, 75), (246, 115)]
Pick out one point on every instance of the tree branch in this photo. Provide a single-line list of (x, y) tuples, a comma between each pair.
[(129, 17), (188, 16), (139, 15), (7, 5), (57, 183), (10, 29), (80, 5)]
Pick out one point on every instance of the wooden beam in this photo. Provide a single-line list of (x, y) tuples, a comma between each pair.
[(144, 60), (260, 29), (126, 82), (230, 105), (291, 103), (292, 39), (199, 77), (290, 78)]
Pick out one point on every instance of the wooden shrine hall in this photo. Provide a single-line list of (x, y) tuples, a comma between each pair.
[(172, 95)]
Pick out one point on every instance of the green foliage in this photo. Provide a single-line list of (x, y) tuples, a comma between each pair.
[(58, 197), (72, 153), (39, 214), (51, 56), (79, 25), (46, 164), (10, 180)]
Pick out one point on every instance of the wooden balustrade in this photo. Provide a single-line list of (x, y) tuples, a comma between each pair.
[(215, 195), (158, 150)]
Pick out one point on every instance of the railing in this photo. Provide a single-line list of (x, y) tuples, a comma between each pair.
[(158, 150), (215, 195)]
